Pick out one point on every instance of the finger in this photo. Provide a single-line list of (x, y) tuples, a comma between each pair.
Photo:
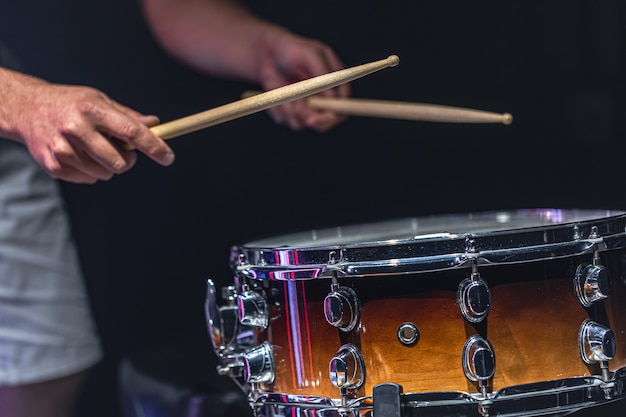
[(52, 164), (71, 174), (323, 121), (130, 130), (277, 115), (289, 114), (73, 152), (149, 120), (108, 156), (330, 62), (271, 81), (125, 109)]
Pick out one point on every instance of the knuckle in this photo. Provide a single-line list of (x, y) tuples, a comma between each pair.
[(71, 128), (129, 130), (88, 107), (61, 150)]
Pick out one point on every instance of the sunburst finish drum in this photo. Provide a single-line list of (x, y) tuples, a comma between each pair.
[(495, 313)]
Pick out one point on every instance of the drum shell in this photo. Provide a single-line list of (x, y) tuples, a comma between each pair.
[(533, 326)]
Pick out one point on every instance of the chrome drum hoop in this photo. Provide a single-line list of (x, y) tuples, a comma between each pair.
[(554, 398), (424, 244)]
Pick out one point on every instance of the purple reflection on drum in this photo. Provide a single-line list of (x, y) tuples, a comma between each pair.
[(298, 328), (547, 216)]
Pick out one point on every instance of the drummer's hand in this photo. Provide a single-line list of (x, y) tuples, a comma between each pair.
[(68, 131), (289, 58)]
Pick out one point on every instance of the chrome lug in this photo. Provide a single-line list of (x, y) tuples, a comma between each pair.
[(253, 309), (591, 283), (474, 299), (258, 364), (342, 308), (596, 342), (479, 360), (347, 368)]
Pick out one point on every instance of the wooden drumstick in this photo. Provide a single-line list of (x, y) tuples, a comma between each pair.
[(408, 111), (404, 110), (269, 99)]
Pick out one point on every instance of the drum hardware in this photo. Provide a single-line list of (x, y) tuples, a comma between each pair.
[(342, 307), (347, 370), (557, 398), (592, 282), (597, 345), (258, 364), (252, 308), (387, 400), (222, 321), (408, 334), (229, 337), (474, 297), (479, 365)]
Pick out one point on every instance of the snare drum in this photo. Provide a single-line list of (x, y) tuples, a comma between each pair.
[(502, 313)]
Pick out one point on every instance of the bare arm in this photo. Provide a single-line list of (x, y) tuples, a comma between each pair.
[(221, 38), (68, 129)]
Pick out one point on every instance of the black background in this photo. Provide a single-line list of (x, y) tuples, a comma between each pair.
[(149, 239)]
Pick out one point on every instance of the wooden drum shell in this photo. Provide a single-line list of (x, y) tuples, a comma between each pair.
[(533, 327)]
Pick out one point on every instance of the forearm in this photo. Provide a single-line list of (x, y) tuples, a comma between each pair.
[(15, 90), (214, 36)]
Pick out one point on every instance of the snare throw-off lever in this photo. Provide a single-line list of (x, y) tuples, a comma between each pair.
[(234, 342)]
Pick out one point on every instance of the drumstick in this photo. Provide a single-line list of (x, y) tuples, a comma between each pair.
[(404, 110), (269, 99)]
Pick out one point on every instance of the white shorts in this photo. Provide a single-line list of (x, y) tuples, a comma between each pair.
[(46, 328)]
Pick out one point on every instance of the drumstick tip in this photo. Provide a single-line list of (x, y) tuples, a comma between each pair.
[(393, 60), (507, 118)]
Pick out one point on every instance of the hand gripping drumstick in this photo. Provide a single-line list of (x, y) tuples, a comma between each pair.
[(403, 110), (268, 99)]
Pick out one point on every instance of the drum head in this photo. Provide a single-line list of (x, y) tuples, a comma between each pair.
[(431, 243)]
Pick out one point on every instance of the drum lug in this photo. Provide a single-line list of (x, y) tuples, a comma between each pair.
[(347, 368), (479, 361), (479, 365), (592, 283), (342, 308), (597, 344), (474, 297), (253, 309), (258, 364)]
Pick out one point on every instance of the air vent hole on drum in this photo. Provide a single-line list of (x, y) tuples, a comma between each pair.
[(408, 334)]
